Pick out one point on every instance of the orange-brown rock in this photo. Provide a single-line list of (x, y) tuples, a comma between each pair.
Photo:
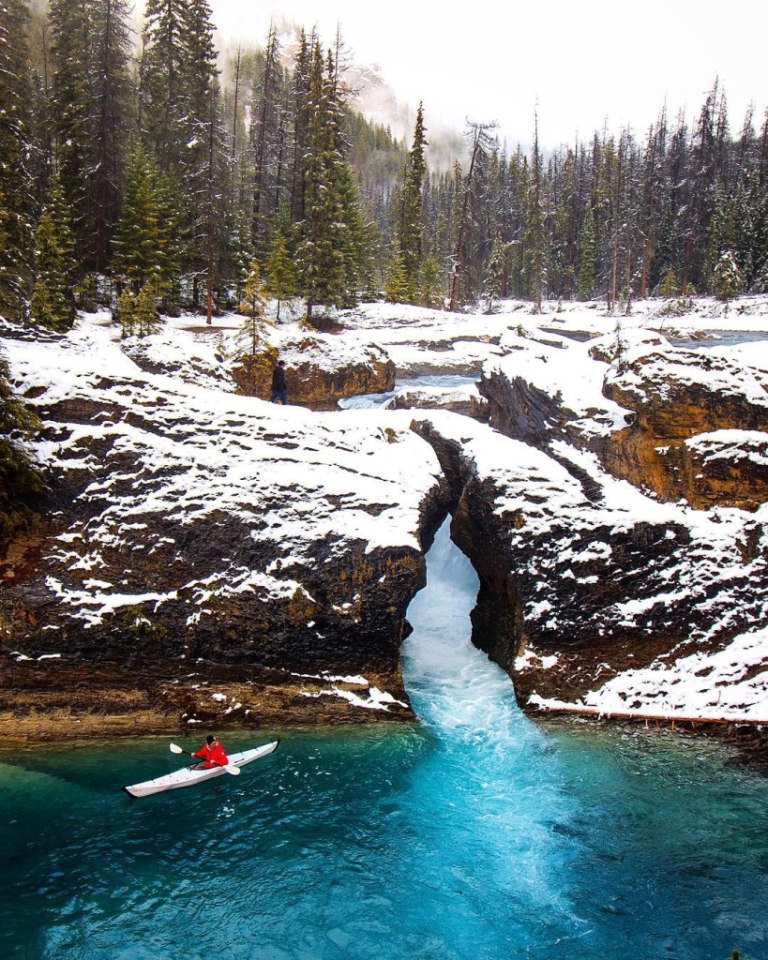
[(314, 376), (699, 430)]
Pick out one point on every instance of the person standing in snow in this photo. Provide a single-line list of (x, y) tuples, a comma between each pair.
[(212, 753), (278, 383)]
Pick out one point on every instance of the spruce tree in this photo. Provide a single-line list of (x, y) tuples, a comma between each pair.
[(728, 281), (266, 134), (252, 307), (410, 232), (145, 316), (53, 299), (535, 248), (111, 118), (429, 282), (164, 96), (395, 289), (328, 247), (126, 313), (145, 243), (20, 481), (16, 188), (586, 285), (279, 282), (72, 99), (494, 279)]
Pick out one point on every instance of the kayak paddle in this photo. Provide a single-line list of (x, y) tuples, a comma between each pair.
[(229, 767)]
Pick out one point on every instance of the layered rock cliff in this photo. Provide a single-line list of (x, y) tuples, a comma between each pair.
[(210, 558), (318, 374), (609, 580), (581, 585), (195, 537)]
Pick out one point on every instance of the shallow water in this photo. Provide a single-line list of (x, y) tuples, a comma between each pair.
[(370, 400), (476, 834), (719, 338)]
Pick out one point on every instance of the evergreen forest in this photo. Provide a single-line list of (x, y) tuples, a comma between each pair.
[(144, 171)]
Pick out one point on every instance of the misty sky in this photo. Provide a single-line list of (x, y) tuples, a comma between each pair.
[(586, 64)]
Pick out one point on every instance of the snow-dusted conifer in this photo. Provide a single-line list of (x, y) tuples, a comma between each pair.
[(145, 316), (727, 280), (252, 307), (494, 278), (16, 188), (53, 299), (395, 289), (279, 281), (326, 255), (146, 233), (586, 285), (72, 99), (410, 232)]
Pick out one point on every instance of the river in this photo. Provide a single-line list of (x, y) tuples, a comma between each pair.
[(476, 834)]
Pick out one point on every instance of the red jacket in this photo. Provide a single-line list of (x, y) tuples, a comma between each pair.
[(212, 755)]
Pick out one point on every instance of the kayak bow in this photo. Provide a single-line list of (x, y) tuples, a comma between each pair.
[(188, 776)]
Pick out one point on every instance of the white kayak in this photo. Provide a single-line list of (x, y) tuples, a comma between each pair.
[(188, 776)]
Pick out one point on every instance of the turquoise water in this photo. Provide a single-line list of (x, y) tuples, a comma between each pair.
[(475, 835)]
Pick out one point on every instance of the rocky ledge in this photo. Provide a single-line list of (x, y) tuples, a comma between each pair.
[(208, 558), (609, 596), (206, 555)]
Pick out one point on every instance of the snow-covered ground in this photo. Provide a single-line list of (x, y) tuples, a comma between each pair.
[(210, 450)]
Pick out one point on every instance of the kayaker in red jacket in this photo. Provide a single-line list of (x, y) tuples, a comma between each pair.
[(212, 753)]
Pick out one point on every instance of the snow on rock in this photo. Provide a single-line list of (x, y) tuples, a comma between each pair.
[(464, 399), (211, 532), (196, 523), (601, 581)]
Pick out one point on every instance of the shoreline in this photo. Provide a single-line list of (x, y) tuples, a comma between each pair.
[(53, 701)]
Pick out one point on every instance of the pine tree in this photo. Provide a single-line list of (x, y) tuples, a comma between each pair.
[(410, 232), (146, 234), (53, 299), (252, 307), (16, 188), (280, 282), (586, 285)]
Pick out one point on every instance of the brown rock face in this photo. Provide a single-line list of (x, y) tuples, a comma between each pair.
[(676, 446), (314, 379), (596, 591), (697, 426), (191, 540), (473, 406)]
